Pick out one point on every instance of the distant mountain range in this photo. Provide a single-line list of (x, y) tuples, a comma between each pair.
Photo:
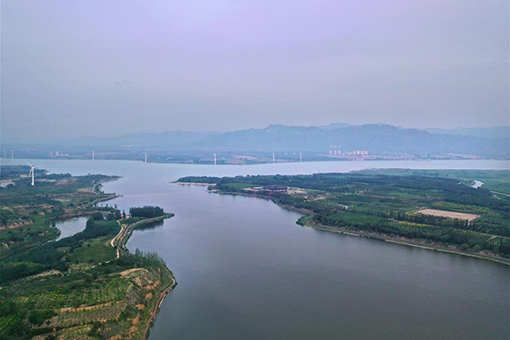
[(492, 132), (378, 139), (375, 138)]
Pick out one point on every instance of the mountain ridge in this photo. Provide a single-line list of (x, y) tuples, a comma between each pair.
[(374, 138), (377, 139)]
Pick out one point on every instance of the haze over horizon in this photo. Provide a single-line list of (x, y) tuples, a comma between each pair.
[(112, 68)]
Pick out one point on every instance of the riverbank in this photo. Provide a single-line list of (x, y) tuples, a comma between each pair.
[(396, 240), (411, 243), (120, 240), (157, 307), (119, 244), (380, 237)]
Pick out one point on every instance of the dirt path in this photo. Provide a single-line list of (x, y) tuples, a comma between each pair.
[(112, 243), (162, 296)]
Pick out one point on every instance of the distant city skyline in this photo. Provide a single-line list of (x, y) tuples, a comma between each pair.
[(85, 68)]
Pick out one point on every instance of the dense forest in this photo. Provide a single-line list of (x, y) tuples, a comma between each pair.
[(146, 211)]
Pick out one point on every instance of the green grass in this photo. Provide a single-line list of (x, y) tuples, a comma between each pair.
[(305, 220), (497, 180), (240, 185), (93, 251)]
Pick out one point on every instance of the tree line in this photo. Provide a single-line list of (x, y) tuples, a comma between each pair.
[(146, 211)]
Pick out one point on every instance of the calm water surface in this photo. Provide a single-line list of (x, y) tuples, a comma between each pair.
[(247, 271), (71, 226)]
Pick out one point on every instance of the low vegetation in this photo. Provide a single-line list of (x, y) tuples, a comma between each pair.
[(81, 287)]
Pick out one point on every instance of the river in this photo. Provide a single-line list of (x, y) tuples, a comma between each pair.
[(247, 271)]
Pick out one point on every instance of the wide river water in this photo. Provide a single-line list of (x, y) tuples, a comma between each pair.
[(246, 270)]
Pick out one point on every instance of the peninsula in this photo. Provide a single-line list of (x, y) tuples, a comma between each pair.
[(86, 286)]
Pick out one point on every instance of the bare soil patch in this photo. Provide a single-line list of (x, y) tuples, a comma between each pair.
[(449, 214)]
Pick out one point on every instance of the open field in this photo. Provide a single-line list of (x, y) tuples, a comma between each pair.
[(449, 214)]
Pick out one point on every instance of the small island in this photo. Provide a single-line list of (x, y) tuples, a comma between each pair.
[(444, 210), (86, 286)]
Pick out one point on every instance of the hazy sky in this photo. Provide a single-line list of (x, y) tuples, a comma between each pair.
[(100, 67)]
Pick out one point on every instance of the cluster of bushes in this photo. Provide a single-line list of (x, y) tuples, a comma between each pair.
[(149, 256), (97, 228), (38, 317), (16, 329)]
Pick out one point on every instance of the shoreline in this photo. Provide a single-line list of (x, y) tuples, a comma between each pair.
[(381, 237), (157, 307), (409, 243), (119, 241), (124, 235), (119, 244), (194, 183), (126, 232)]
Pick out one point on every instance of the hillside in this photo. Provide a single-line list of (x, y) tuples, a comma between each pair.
[(491, 133), (377, 139), (86, 286)]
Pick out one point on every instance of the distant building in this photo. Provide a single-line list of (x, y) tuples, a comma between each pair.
[(335, 151), (275, 188), (358, 153)]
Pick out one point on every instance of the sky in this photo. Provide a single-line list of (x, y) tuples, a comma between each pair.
[(95, 67)]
